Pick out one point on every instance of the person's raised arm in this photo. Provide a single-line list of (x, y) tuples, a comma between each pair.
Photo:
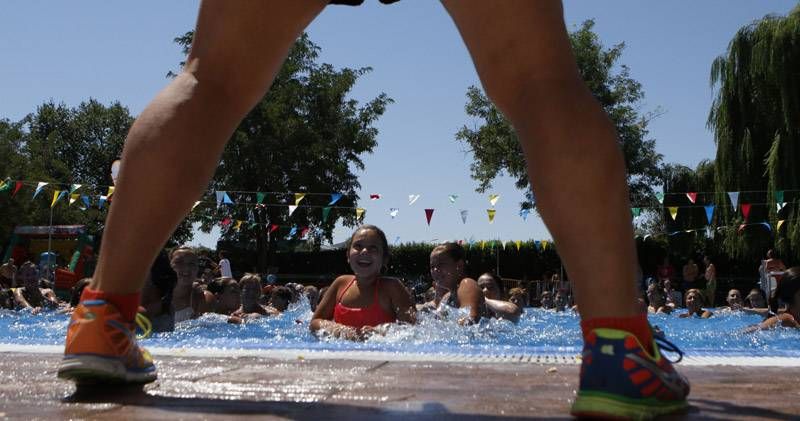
[(504, 309), (471, 296)]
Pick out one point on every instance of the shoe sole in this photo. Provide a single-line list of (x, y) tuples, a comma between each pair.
[(608, 407), (87, 369)]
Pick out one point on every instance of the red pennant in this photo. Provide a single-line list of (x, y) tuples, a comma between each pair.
[(303, 232), (428, 215), (745, 210), (374, 196), (225, 222), (692, 197), (273, 228), (17, 186)]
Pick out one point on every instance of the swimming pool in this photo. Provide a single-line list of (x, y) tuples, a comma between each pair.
[(539, 332)]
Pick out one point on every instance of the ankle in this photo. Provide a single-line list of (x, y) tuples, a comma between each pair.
[(637, 325), (127, 304)]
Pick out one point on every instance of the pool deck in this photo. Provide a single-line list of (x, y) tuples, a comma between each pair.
[(318, 388)]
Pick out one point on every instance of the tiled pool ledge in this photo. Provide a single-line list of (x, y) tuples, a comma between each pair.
[(301, 354)]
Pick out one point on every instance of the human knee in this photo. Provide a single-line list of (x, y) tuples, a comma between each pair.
[(526, 95), (218, 88)]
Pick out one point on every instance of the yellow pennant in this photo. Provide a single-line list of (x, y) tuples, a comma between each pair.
[(491, 213), (238, 224), (780, 223), (518, 244), (545, 243), (55, 198), (673, 210), (359, 213), (493, 198), (73, 197), (483, 244), (298, 197), (110, 191)]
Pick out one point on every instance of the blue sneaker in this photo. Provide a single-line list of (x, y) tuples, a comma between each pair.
[(619, 379)]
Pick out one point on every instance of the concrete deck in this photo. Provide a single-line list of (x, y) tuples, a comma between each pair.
[(192, 387)]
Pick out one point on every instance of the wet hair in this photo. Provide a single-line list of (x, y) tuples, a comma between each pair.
[(182, 249), (497, 281), (786, 289), (452, 250), (380, 233), (6, 299), (282, 292), (77, 290), (250, 277)]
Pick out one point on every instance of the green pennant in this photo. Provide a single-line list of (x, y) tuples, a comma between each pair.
[(260, 197), (779, 196), (636, 212), (325, 211), (660, 197), (5, 185)]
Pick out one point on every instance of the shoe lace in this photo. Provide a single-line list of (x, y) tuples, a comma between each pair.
[(665, 345), (143, 323)]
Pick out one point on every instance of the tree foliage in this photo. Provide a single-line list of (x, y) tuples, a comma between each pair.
[(756, 121), (496, 149)]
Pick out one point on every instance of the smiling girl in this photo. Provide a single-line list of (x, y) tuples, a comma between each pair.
[(355, 304)]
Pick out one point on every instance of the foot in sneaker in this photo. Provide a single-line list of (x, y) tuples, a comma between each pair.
[(619, 379), (101, 348)]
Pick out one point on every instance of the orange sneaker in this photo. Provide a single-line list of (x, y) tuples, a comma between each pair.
[(101, 348)]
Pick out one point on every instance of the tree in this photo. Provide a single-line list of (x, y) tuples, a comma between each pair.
[(305, 135), (756, 121), (496, 149)]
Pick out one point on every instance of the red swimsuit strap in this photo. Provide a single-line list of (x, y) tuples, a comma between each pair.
[(339, 300)]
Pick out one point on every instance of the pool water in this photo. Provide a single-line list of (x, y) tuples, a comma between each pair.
[(538, 332)]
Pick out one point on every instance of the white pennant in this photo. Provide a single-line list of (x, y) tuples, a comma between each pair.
[(464, 216), (780, 205), (393, 212), (292, 208), (195, 204), (412, 198), (734, 196), (39, 188)]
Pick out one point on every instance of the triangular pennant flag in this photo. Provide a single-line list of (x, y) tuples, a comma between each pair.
[(4, 186), (779, 196), (292, 208), (412, 198), (545, 243), (374, 197), (73, 197), (360, 213), (74, 187), (226, 199), (673, 211), (491, 213), (298, 197), (745, 210), (493, 198), (709, 213), (334, 198), (86, 201), (452, 198), (766, 224), (101, 200), (692, 197), (393, 212), (660, 197), (636, 212), (39, 188), (524, 214), (303, 232), (483, 244), (260, 197), (273, 228), (538, 245), (464, 215), (325, 212), (734, 196), (17, 186), (292, 232), (779, 224), (780, 205), (56, 196), (518, 243), (225, 222), (238, 225), (502, 243), (220, 195), (397, 240), (110, 191), (428, 215), (195, 204)]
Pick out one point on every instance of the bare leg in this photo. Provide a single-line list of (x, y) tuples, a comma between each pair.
[(523, 56), (175, 144)]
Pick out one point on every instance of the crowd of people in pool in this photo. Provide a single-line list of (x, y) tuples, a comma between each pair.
[(183, 285)]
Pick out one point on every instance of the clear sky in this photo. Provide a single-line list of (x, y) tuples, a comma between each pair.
[(114, 50)]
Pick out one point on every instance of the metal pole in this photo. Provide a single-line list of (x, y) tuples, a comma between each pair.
[(49, 243)]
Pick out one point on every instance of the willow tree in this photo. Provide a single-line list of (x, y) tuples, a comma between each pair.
[(756, 121)]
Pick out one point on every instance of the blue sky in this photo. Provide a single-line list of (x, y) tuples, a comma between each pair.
[(113, 50)]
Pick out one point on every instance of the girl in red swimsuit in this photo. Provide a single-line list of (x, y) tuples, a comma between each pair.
[(355, 304)]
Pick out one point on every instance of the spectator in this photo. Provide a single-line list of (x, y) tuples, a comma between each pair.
[(710, 276), (279, 300), (755, 299), (251, 295), (546, 300), (694, 303), (224, 266), (30, 295), (496, 304), (228, 295), (656, 299), (672, 297), (788, 292), (519, 297), (186, 265), (690, 274), (735, 302), (312, 294)]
